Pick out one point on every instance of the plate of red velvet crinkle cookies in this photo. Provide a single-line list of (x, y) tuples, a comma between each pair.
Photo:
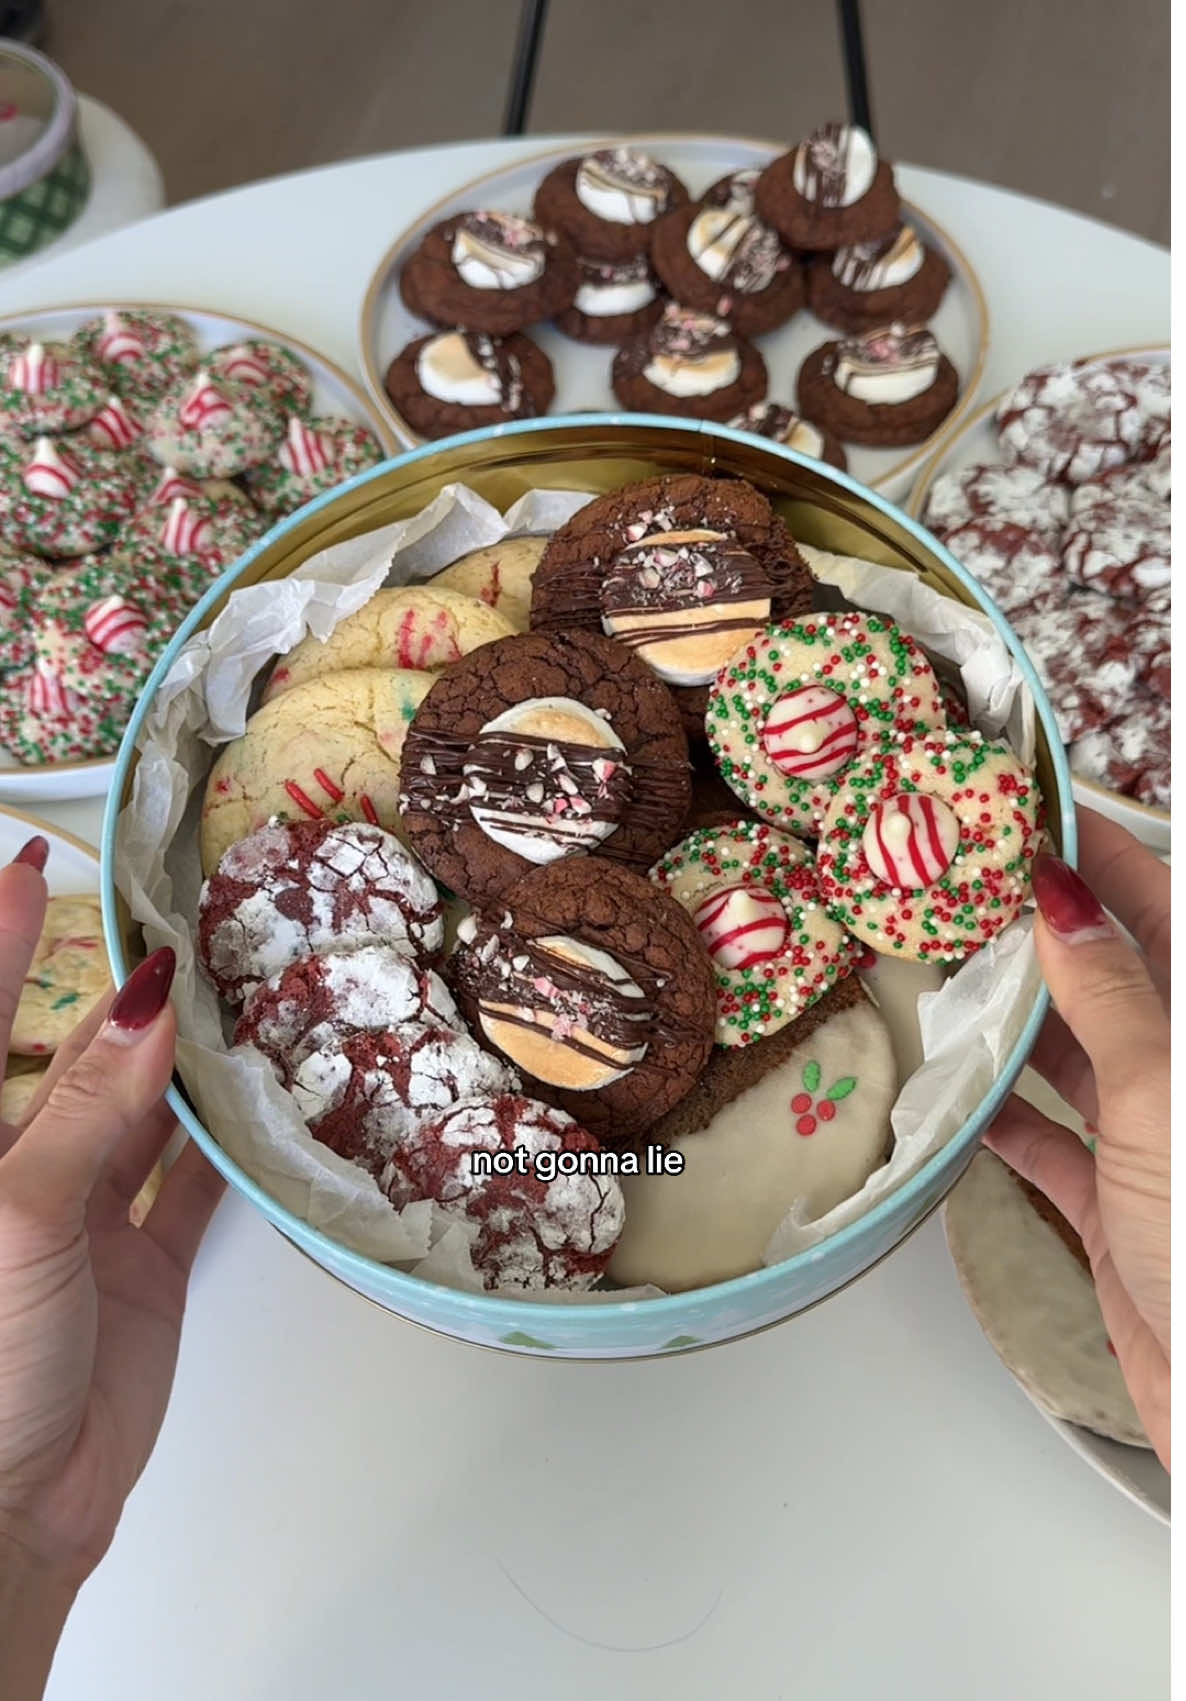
[(142, 449), (1057, 499), (616, 877)]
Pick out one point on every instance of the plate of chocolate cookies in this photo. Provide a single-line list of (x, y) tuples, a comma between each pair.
[(790, 293)]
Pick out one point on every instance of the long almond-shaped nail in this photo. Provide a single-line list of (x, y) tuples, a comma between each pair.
[(143, 995), (34, 854), (1069, 906)]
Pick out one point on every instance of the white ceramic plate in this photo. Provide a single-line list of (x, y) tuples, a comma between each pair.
[(975, 443), (582, 372), (333, 392)]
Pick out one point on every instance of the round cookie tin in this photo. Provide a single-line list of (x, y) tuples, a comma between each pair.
[(598, 453)]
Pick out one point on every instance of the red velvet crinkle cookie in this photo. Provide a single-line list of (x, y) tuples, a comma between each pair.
[(293, 889), (1019, 496), (926, 848), (1079, 643), (539, 1226), (1118, 540), (1016, 566), (804, 701), (1131, 754), (316, 1001), (1071, 421), (1148, 628)]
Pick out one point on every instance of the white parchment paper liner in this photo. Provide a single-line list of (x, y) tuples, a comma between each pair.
[(204, 701)]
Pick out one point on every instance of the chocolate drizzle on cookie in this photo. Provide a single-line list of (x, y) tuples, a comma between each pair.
[(900, 361), (882, 264), (735, 191), (511, 251), (564, 795), (621, 171), (682, 599), (735, 249)]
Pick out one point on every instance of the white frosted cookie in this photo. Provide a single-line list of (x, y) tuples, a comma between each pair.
[(499, 575), (812, 1125), (417, 628), (67, 977), (327, 750), (16, 1094)]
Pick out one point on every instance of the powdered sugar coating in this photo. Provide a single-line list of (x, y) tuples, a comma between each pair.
[(1019, 494), (1119, 542), (296, 889), (1132, 753), (1078, 642), (1015, 565), (1073, 422), (530, 1232), (1148, 629)]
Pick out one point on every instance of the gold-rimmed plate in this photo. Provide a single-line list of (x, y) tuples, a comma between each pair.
[(583, 372), (334, 392), (974, 442)]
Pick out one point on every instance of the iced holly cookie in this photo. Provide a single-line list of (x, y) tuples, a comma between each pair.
[(500, 575), (595, 986), (294, 889), (1015, 495), (752, 894), (46, 389), (489, 272), (896, 278), (830, 192), (316, 1002), (689, 364), (265, 366), (1073, 422), (140, 354), (316, 455), (615, 300), (539, 1228), (606, 203), (801, 1118), (212, 428), (67, 976), (417, 628), (679, 569), (722, 260), (328, 750), (926, 847), (540, 747), (783, 425), (803, 702), (460, 380), (888, 387), (68, 499)]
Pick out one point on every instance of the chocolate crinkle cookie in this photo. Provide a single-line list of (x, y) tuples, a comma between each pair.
[(689, 364)]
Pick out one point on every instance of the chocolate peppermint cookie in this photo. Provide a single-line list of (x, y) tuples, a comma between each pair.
[(830, 191), (681, 569), (489, 272), (615, 300), (541, 747), (460, 380), (688, 364), (719, 258), (606, 203), (783, 425), (890, 387), (596, 987), (895, 277)]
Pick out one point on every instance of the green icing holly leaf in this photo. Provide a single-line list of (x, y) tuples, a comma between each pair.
[(840, 1089), (811, 1076)]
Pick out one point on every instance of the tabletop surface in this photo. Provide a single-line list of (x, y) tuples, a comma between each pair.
[(860, 1502)]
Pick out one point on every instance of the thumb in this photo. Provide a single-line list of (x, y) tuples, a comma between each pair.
[(1099, 982)]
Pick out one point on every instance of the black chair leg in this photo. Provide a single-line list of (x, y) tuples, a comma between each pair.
[(532, 18), (852, 39)]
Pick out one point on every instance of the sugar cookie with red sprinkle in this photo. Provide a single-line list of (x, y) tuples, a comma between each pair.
[(67, 497)]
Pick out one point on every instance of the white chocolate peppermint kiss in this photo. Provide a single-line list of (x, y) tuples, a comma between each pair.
[(733, 247), (691, 354), (116, 626), (684, 601), (880, 265), (909, 840), (33, 370), (810, 733), (835, 166), (547, 778), (50, 473), (621, 186), (742, 926), (609, 290), (117, 343), (497, 251), (888, 367), (585, 1024), (451, 367)]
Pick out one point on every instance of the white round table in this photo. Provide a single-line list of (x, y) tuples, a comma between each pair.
[(859, 1503)]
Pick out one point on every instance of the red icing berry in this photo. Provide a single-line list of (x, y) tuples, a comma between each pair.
[(825, 1110), (800, 1103), (805, 1125)]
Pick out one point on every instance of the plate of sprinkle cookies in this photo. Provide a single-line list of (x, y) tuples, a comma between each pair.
[(600, 880), (787, 292), (1056, 497), (142, 449)]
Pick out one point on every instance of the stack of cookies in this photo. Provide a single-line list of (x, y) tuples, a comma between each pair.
[(133, 470), (619, 254)]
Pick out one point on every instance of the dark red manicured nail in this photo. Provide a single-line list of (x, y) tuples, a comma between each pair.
[(34, 854), (1067, 902), (141, 998)]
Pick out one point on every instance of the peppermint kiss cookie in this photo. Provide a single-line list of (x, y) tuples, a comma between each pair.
[(803, 702), (67, 500), (489, 272), (542, 746), (752, 894), (417, 628), (688, 364), (140, 354), (460, 380), (295, 889), (594, 984), (316, 455), (926, 848), (194, 528), (500, 575), (118, 425), (895, 278), (722, 260), (211, 428), (1073, 422), (45, 389), (532, 1232), (269, 367), (829, 192), (783, 425), (891, 386), (606, 203), (615, 300)]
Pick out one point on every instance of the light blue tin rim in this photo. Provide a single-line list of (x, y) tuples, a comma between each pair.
[(487, 1311)]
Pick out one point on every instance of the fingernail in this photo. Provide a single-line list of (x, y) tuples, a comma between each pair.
[(141, 998), (34, 854), (1068, 905)]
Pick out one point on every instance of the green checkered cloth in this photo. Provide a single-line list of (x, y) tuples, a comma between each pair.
[(46, 208)]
